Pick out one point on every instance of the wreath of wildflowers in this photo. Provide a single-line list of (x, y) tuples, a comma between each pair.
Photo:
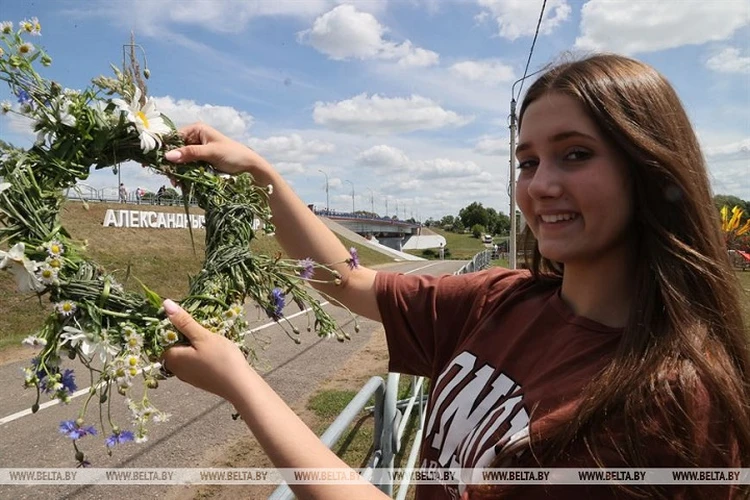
[(119, 336)]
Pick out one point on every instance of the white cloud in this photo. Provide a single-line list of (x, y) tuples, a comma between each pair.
[(488, 71), (738, 150), (729, 60), (347, 33), (230, 121), (727, 156), (517, 18), (291, 149), (389, 159), (633, 27), (492, 145), (221, 16), (383, 115), (17, 125), (288, 168), (383, 155)]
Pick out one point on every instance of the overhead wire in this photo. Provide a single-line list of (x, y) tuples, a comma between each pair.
[(533, 43)]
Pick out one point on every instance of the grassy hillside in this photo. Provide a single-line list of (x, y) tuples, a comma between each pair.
[(461, 246), (161, 258)]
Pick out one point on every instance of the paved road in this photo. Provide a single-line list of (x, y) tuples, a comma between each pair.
[(200, 425)]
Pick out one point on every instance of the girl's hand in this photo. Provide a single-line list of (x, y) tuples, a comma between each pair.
[(209, 145), (211, 362)]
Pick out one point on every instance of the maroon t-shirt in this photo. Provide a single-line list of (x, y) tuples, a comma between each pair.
[(500, 350)]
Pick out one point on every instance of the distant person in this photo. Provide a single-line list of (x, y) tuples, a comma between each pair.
[(138, 195), (123, 193), (623, 345), (160, 194), (441, 252)]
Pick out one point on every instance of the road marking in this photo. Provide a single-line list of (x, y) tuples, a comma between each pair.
[(81, 392)]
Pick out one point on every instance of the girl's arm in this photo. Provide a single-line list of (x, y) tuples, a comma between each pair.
[(298, 229), (213, 363)]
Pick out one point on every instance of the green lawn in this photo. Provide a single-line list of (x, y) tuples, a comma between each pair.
[(460, 246)]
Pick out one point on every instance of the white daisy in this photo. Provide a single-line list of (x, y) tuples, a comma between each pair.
[(6, 27), (66, 308), (232, 313), (148, 122), (31, 26), (26, 49), (121, 376), (54, 248), (48, 275), (132, 361), (133, 341), (21, 267), (54, 262), (29, 377), (168, 337)]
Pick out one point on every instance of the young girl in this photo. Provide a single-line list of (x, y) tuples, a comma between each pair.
[(623, 346)]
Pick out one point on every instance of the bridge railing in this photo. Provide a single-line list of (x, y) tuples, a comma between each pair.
[(391, 417), (354, 215)]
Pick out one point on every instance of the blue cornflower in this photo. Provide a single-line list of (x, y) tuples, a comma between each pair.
[(68, 380), (41, 375), (353, 260), (277, 304), (23, 97), (119, 437), (35, 366), (307, 270), (71, 429)]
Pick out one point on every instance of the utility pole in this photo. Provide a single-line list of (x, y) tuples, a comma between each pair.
[(386, 206), (512, 240), (328, 206), (352, 185)]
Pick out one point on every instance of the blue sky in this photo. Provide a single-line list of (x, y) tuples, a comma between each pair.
[(406, 99)]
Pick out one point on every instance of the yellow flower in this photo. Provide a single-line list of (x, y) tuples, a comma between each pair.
[(731, 225)]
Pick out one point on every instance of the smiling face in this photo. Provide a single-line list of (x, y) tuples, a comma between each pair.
[(573, 187)]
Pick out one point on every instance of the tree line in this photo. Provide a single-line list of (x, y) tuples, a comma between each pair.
[(480, 220)]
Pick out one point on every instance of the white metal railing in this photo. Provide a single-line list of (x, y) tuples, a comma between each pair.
[(391, 417)]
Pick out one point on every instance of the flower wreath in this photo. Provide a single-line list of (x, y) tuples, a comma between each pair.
[(118, 335)]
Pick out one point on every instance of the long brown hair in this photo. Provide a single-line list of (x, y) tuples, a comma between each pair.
[(685, 336)]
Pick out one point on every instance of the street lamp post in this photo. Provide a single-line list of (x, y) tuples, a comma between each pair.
[(328, 207), (352, 185), (372, 201), (513, 124)]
